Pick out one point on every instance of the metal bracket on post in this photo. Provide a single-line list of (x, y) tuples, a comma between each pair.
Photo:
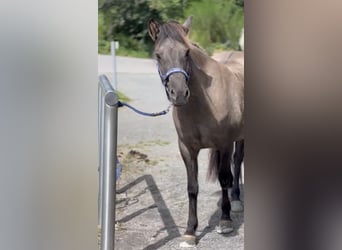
[(107, 125)]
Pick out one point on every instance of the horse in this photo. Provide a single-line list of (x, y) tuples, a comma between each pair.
[(208, 112), (234, 58), (236, 204)]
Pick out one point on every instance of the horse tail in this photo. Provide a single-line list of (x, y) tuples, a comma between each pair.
[(214, 160)]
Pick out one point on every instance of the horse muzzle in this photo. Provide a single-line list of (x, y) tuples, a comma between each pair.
[(178, 97), (177, 90)]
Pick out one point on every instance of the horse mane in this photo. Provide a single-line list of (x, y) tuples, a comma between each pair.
[(174, 31), (199, 47)]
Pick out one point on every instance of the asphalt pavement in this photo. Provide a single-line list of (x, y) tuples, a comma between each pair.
[(152, 202)]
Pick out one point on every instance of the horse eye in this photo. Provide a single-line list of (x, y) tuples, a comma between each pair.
[(158, 56)]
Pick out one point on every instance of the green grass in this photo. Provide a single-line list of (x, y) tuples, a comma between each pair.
[(123, 97)]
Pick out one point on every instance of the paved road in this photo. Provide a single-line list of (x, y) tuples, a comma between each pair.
[(152, 203)]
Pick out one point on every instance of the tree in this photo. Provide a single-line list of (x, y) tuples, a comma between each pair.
[(217, 23), (126, 20)]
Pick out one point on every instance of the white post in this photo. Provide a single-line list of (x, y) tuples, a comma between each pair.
[(113, 46)]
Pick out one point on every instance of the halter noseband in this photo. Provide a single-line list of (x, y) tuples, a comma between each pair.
[(165, 78)]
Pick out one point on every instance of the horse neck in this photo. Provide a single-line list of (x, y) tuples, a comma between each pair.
[(199, 57), (212, 81), (202, 67)]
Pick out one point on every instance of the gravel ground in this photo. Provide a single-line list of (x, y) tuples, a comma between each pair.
[(152, 202)]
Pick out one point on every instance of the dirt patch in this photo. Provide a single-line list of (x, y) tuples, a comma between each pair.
[(137, 155), (135, 158)]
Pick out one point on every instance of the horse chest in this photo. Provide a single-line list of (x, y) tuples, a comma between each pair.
[(203, 131)]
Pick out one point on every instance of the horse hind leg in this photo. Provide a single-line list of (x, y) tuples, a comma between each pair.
[(225, 179), (236, 204)]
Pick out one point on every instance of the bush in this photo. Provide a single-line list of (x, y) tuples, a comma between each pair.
[(216, 23), (103, 47)]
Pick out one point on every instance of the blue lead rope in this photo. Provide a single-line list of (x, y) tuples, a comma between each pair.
[(118, 169), (164, 112)]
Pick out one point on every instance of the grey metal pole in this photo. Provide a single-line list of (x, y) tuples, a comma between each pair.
[(100, 153), (109, 150), (99, 130), (105, 90)]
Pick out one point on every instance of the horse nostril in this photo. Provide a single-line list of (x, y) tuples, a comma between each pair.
[(187, 93), (172, 92)]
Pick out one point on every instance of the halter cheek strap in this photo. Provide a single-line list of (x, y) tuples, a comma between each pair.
[(165, 78)]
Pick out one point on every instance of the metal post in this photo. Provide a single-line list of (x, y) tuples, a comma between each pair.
[(100, 137), (107, 159)]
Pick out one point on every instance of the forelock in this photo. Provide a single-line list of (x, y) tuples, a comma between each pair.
[(174, 31)]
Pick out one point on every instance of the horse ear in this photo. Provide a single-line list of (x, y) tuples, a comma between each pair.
[(187, 24), (153, 29)]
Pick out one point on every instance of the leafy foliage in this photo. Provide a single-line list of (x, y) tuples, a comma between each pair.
[(217, 23)]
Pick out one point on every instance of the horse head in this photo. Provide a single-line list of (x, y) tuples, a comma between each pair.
[(172, 52)]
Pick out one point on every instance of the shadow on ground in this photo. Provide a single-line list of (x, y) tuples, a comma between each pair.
[(168, 221), (168, 227)]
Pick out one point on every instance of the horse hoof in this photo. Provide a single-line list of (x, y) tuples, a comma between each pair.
[(225, 227), (236, 206), (188, 241)]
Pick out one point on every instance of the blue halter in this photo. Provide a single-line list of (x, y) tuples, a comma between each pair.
[(165, 78)]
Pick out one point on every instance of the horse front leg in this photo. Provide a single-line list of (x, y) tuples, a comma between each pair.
[(236, 204), (189, 156)]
